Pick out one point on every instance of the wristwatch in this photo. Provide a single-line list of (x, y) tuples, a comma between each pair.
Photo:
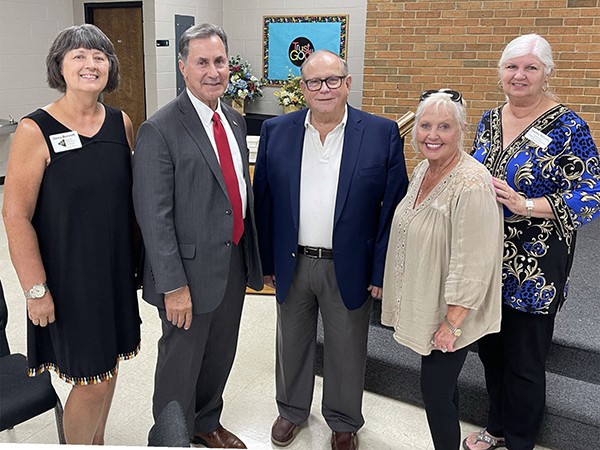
[(529, 205), (455, 331), (37, 291)]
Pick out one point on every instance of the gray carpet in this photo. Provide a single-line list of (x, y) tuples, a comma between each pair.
[(576, 345)]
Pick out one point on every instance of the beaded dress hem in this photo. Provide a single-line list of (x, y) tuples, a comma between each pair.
[(94, 379)]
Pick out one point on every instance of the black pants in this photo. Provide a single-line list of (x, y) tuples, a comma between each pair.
[(515, 374), (439, 378)]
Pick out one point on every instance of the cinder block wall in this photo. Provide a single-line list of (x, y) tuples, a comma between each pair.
[(416, 45)]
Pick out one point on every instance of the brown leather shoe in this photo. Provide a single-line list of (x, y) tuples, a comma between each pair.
[(220, 438), (283, 432), (344, 441)]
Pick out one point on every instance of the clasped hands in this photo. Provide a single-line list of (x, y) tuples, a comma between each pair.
[(444, 339)]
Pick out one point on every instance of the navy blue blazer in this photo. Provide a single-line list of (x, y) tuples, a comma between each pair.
[(372, 182)]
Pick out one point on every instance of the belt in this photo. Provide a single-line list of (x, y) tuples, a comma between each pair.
[(316, 252)]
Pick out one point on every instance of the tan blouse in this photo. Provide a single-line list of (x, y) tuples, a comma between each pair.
[(446, 251)]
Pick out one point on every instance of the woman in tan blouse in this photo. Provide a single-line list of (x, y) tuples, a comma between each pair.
[(442, 280)]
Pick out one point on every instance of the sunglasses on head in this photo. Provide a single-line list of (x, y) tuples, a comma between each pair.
[(455, 96)]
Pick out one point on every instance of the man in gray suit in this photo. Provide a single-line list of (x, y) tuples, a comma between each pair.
[(194, 206)]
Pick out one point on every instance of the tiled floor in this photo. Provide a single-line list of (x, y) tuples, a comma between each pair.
[(249, 398)]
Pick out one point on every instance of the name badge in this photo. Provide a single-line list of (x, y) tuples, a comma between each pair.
[(65, 141), (538, 138)]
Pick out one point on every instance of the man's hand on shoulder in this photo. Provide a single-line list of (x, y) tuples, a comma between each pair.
[(178, 305)]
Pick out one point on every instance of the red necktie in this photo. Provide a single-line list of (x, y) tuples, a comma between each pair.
[(231, 181)]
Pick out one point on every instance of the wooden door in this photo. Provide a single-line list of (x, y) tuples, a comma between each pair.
[(122, 23)]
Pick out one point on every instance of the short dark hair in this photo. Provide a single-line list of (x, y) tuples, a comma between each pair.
[(80, 36), (203, 31)]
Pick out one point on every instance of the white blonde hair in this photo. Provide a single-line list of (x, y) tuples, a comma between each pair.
[(442, 101), (528, 44)]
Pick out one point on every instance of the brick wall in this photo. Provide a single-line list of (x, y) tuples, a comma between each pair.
[(416, 45)]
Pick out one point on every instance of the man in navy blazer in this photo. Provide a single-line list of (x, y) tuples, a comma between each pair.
[(326, 182)]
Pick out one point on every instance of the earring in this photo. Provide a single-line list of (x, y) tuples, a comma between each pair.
[(545, 86)]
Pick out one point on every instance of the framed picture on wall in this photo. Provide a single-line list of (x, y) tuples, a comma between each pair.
[(288, 40)]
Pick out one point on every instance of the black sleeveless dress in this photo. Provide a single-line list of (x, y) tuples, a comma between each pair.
[(84, 223)]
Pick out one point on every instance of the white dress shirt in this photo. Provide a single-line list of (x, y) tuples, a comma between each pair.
[(319, 178), (206, 114)]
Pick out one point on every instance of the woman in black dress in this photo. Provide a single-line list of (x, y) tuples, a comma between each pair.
[(69, 222)]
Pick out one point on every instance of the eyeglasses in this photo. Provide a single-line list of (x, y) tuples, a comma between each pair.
[(315, 84), (455, 96)]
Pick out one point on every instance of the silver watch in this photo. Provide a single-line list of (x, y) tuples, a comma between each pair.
[(37, 291), (529, 205)]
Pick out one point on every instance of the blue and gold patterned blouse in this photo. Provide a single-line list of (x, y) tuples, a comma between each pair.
[(538, 253)]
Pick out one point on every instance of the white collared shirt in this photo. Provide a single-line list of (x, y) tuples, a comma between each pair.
[(206, 114), (319, 178)]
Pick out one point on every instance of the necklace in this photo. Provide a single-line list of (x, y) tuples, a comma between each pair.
[(430, 180), (428, 184)]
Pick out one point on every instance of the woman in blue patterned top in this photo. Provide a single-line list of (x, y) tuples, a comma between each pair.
[(547, 175)]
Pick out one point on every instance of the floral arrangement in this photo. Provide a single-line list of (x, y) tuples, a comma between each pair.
[(242, 84), (290, 93)]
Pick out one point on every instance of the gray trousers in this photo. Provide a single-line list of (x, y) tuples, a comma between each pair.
[(314, 287), (193, 365)]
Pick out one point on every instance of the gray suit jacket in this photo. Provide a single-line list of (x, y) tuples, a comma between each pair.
[(183, 210)]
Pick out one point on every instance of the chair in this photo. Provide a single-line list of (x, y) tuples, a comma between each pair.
[(23, 397), (170, 429)]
